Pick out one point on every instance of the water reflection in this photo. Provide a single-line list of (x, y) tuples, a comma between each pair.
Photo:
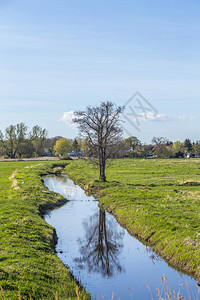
[(101, 246), (61, 184)]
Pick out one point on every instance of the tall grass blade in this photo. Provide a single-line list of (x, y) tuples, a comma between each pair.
[(77, 293), (130, 292), (166, 278), (186, 283), (180, 274), (56, 295), (163, 280), (169, 296), (112, 295), (159, 294), (19, 295), (149, 290)]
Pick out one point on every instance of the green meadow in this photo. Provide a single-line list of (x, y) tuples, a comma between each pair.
[(29, 267), (157, 200)]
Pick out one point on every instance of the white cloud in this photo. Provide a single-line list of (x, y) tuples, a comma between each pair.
[(181, 117), (68, 118), (149, 116), (157, 117), (194, 118)]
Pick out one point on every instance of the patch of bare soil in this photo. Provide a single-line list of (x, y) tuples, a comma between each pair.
[(43, 158)]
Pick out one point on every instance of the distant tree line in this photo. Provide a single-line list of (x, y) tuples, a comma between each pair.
[(19, 142), (132, 147), (161, 147)]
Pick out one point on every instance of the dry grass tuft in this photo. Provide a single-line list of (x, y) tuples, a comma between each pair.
[(189, 182), (14, 180), (14, 173), (2, 292), (189, 241), (15, 185)]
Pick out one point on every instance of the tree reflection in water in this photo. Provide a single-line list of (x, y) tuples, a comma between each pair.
[(100, 248)]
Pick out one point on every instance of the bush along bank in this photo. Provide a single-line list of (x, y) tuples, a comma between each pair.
[(29, 267), (156, 200)]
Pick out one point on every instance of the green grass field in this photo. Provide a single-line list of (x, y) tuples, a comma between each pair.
[(29, 267), (156, 200)]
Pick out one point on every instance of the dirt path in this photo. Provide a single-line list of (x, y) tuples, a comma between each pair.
[(44, 158)]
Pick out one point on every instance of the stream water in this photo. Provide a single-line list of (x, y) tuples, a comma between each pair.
[(103, 256)]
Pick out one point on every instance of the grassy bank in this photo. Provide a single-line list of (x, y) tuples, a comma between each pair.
[(29, 267), (156, 200)]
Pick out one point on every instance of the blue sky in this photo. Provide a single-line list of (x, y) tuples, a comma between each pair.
[(60, 56)]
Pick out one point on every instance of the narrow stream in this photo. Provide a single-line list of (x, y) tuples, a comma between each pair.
[(103, 256)]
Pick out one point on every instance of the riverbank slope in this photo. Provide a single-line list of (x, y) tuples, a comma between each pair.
[(29, 266)]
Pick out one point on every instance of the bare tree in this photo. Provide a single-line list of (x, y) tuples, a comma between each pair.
[(101, 125), (15, 135), (39, 137), (161, 141), (49, 143)]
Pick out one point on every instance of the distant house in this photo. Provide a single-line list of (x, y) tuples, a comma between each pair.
[(190, 155), (48, 154), (79, 154)]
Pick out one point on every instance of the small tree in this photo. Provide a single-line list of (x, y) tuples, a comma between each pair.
[(188, 145), (132, 141), (50, 143), (86, 147), (62, 147), (162, 151), (39, 136), (179, 149), (142, 150), (196, 148), (101, 125), (75, 145), (130, 144)]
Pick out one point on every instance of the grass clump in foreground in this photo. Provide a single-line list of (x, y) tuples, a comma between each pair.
[(29, 267), (156, 200)]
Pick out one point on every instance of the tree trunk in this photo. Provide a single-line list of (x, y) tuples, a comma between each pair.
[(102, 166)]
